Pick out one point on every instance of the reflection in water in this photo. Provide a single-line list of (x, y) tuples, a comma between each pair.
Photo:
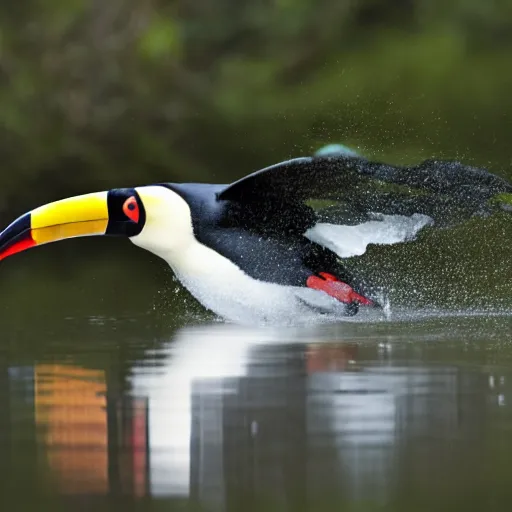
[(234, 416), (235, 419), (205, 355), (70, 411), (90, 441)]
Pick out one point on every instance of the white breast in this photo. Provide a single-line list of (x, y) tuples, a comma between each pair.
[(225, 289)]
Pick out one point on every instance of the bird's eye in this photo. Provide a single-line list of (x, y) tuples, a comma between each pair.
[(131, 209)]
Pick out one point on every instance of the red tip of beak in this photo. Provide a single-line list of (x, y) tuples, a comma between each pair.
[(26, 243), (16, 237)]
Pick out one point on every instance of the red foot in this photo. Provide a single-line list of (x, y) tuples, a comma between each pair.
[(335, 288)]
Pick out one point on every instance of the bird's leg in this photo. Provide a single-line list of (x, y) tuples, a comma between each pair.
[(341, 291)]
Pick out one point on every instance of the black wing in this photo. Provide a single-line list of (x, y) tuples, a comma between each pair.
[(445, 191), (287, 261), (266, 242)]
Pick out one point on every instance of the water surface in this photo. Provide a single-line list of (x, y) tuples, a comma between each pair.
[(163, 412)]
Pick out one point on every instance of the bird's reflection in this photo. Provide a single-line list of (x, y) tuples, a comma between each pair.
[(86, 431), (201, 361), (224, 415), (70, 413), (235, 413)]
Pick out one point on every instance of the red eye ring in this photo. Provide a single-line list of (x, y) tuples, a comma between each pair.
[(131, 209)]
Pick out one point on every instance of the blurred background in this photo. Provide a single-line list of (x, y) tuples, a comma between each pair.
[(97, 94)]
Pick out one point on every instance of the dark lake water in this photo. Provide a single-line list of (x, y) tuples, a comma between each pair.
[(106, 405)]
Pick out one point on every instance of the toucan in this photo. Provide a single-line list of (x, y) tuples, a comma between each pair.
[(269, 247)]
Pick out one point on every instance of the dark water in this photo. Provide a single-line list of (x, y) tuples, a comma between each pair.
[(106, 405)]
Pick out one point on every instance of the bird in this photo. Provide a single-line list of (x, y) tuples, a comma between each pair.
[(266, 248)]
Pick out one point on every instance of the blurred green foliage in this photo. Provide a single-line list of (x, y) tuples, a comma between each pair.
[(101, 94)]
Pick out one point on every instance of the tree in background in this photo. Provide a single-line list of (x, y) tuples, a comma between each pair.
[(98, 94)]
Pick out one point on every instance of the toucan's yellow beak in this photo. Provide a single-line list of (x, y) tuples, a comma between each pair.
[(77, 216)]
